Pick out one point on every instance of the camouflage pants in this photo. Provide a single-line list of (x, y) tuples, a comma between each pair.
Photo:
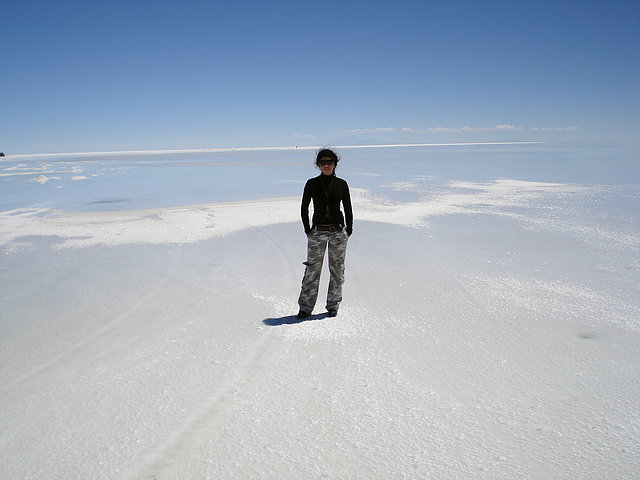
[(318, 241)]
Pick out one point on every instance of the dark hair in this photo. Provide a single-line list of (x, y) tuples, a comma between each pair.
[(327, 153)]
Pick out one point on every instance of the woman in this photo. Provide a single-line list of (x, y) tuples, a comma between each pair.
[(330, 228)]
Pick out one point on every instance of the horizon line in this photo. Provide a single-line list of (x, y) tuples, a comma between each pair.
[(253, 149)]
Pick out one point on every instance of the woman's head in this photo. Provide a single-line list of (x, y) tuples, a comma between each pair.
[(327, 160)]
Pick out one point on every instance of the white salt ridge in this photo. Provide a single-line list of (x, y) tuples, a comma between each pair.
[(202, 222), (41, 179)]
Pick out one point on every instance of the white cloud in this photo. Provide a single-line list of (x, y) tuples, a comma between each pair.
[(554, 129), (497, 128), (360, 131), (500, 128), (467, 128), (302, 135), (506, 127)]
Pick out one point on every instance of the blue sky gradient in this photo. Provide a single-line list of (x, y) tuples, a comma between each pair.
[(85, 75)]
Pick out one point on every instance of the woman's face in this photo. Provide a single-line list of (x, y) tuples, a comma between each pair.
[(327, 166)]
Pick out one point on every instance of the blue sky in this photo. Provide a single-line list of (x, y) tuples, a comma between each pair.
[(85, 75)]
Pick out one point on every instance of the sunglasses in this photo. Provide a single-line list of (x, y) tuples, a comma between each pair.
[(322, 163)]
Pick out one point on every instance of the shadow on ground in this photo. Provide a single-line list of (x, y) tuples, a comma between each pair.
[(291, 319)]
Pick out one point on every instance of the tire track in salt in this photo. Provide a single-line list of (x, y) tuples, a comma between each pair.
[(204, 422), (212, 414), (30, 378)]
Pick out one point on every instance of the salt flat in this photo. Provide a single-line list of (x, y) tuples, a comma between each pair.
[(490, 327)]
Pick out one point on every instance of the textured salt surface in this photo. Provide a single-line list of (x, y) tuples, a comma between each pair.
[(490, 329)]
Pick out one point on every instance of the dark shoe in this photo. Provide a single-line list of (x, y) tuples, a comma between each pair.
[(302, 314), (332, 313)]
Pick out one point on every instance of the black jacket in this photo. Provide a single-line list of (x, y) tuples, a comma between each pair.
[(327, 191)]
